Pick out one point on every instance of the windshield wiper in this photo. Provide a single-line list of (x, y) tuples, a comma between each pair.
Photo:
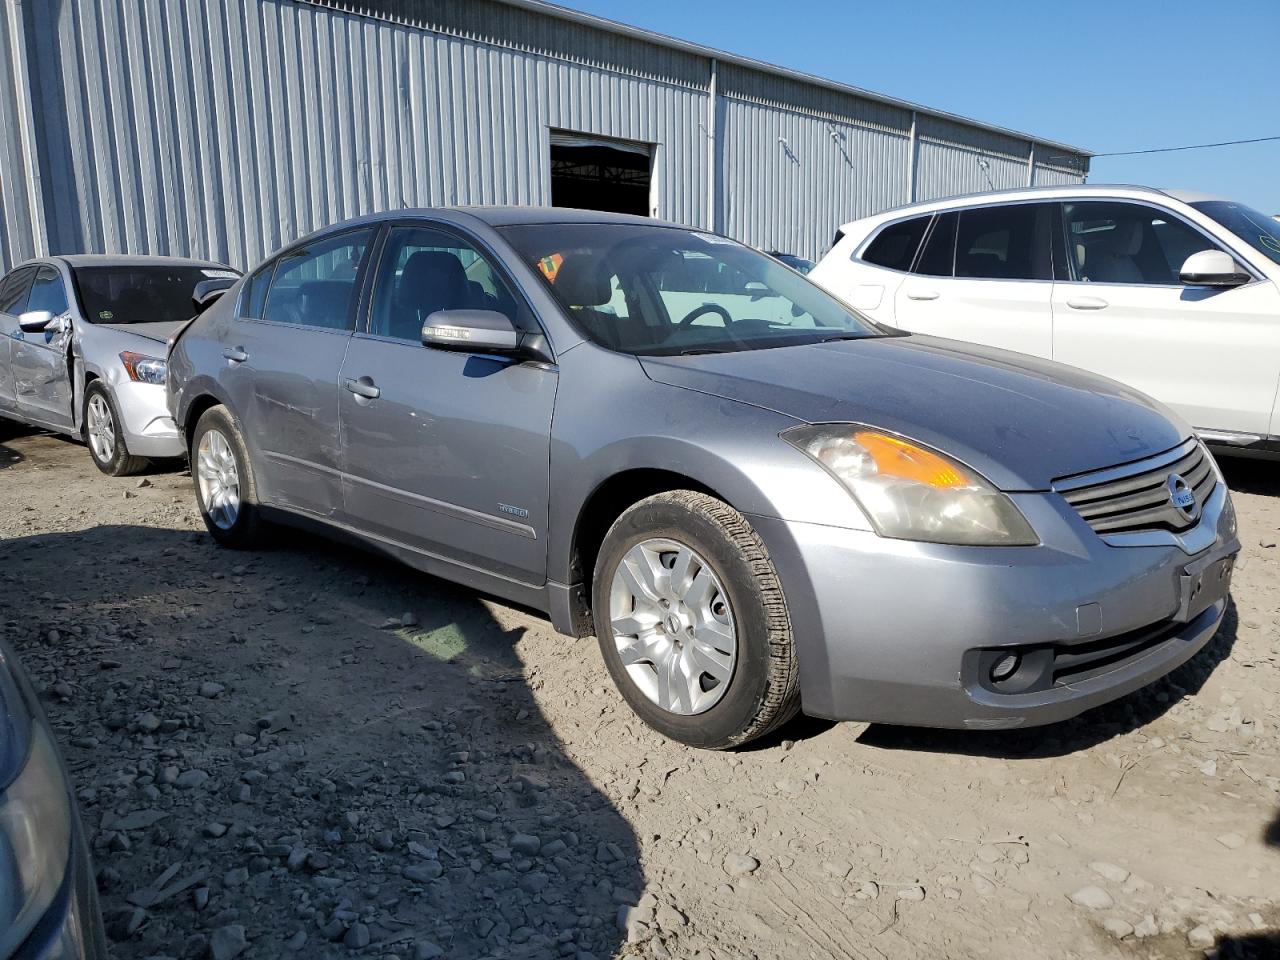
[(698, 351)]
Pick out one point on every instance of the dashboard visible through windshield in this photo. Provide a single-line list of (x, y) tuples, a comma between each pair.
[(662, 291)]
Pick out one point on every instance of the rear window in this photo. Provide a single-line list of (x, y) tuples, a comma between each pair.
[(140, 293), (895, 246)]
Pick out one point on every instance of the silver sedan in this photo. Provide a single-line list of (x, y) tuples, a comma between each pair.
[(82, 347)]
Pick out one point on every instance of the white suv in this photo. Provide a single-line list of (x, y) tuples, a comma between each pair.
[(1172, 292)]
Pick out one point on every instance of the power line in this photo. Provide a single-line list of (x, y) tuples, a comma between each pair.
[(1193, 146)]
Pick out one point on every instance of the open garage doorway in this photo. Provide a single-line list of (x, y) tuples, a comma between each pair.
[(592, 173)]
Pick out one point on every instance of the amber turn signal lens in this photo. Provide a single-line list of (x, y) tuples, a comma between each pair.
[(898, 458)]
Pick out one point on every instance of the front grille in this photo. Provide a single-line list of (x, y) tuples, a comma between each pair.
[(1140, 496)]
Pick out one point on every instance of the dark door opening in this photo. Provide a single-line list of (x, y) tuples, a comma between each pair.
[(591, 174)]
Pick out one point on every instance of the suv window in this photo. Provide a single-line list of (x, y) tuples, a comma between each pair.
[(424, 269), (895, 246), (1110, 242), (48, 292), (13, 291), (939, 255), (1005, 243), (315, 285)]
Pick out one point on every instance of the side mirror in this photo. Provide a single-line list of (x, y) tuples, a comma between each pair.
[(1212, 268), (471, 331), (36, 321), (206, 292)]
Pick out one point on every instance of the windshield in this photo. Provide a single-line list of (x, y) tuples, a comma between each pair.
[(141, 294), (659, 291), (1256, 229)]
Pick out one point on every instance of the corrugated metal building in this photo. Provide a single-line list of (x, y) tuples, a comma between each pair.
[(225, 128)]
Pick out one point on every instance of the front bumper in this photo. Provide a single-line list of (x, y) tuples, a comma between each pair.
[(148, 428), (899, 632)]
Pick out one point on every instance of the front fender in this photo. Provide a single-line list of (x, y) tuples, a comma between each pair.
[(611, 418)]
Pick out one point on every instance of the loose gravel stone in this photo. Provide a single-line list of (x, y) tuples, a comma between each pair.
[(738, 864), (1092, 898)]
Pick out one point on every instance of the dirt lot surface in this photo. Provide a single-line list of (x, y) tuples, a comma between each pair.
[(312, 751)]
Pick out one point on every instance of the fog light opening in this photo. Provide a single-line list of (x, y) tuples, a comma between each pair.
[(1005, 667)]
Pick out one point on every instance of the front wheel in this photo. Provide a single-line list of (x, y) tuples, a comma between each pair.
[(223, 479), (103, 434), (692, 621)]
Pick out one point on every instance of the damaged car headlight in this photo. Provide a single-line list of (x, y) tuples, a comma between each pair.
[(35, 816), (910, 492), (144, 369)]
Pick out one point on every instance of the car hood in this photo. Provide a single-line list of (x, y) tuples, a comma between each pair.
[(158, 331), (1020, 421)]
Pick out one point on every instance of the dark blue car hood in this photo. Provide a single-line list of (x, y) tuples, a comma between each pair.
[(1020, 421)]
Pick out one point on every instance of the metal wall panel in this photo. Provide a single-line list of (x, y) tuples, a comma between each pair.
[(790, 178), (1051, 176), (953, 159), (226, 128)]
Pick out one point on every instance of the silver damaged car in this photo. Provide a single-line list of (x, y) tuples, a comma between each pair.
[(758, 500), (82, 345)]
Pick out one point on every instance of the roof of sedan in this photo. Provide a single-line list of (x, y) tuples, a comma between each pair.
[(78, 260)]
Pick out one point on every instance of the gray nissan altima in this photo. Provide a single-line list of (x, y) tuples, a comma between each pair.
[(759, 501)]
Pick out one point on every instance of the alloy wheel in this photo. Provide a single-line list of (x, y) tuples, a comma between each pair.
[(219, 479), (101, 428), (673, 626)]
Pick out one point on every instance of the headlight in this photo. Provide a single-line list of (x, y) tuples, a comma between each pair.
[(35, 841), (144, 369), (910, 492)]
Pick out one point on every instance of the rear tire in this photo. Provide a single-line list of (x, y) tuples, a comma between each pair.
[(223, 478), (103, 436), (684, 589)]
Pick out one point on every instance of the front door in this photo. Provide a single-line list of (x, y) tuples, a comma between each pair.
[(1212, 354), (285, 363), (14, 291), (40, 361), (984, 275), (445, 453)]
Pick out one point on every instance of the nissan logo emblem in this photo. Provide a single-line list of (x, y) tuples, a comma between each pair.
[(1183, 497)]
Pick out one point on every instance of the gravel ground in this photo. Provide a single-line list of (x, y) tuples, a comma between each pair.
[(312, 751)]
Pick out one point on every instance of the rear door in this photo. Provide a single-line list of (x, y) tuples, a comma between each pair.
[(985, 275), (284, 364), (1213, 354), (870, 281), (14, 290), (445, 452), (40, 361)]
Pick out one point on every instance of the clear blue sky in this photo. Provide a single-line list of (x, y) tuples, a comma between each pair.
[(1105, 75)]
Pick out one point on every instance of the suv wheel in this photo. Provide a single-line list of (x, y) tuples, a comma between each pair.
[(223, 480), (103, 435), (692, 622)]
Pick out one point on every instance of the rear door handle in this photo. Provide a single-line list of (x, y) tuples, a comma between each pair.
[(364, 387), (235, 354), (921, 294), (1087, 303)]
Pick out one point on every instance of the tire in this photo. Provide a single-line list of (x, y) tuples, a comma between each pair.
[(103, 436), (220, 467), (757, 690)]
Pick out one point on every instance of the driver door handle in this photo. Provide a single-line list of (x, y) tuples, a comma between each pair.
[(1087, 303), (235, 354), (364, 387), (922, 293)]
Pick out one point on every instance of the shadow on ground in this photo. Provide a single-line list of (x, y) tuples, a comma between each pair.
[(1088, 730), (264, 732), (1260, 477), (1264, 944)]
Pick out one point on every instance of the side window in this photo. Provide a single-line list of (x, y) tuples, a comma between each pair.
[(254, 296), (1005, 243), (895, 246), (14, 289), (1109, 242), (316, 285), (939, 255), (48, 292), (424, 270)]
